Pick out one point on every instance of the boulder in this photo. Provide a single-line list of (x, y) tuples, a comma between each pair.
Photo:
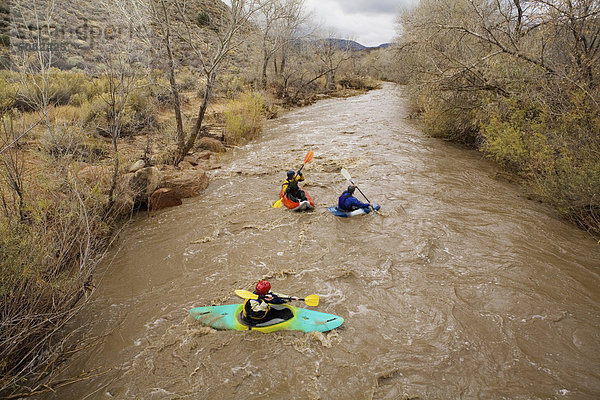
[(204, 155), (164, 198), (191, 159), (186, 164), (186, 183), (139, 164), (138, 186), (145, 181), (211, 144)]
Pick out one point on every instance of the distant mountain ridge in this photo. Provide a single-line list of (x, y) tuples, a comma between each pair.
[(346, 44)]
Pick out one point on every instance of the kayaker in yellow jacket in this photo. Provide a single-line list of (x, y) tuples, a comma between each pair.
[(259, 310), (291, 189)]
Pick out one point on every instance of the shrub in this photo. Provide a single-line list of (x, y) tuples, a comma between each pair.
[(451, 119), (76, 61), (359, 83), (211, 144), (244, 118), (74, 142), (203, 19), (142, 109), (78, 99), (60, 86), (232, 86), (44, 277), (557, 153), (187, 79), (8, 94), (138, 114), (518, 143)]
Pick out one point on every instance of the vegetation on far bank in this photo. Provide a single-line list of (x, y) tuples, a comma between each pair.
[(518, 80)]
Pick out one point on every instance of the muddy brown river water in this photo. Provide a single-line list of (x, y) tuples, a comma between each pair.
[(459, 288)]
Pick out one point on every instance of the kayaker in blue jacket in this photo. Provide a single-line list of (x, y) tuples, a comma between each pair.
[(347, 202), (259, 310)]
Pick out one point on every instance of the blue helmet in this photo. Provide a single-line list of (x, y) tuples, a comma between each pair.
[(290, 174)]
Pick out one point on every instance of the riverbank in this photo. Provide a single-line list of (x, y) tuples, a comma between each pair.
[(530, 107)]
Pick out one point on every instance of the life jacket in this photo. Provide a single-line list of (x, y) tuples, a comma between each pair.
[(249, 313), (291, 185), (342, 200), (292, 190)]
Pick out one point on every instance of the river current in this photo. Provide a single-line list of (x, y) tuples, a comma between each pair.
[(460, 287)]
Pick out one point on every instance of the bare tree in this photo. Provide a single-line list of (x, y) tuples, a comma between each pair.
[(207, 47), (290, 59), (518, 79), (469, 34), (11, 135), (279, 22), (36, 20), (124, 62), (327, 55)]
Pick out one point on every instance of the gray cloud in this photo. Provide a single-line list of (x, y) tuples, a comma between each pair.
[(375, 6), (369, 22)]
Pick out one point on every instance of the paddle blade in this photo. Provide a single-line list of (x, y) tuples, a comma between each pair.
[(277, 204), (346, 174), (312, 300), (308, 156), (245, 294)]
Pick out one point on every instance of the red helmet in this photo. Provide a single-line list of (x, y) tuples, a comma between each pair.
[(263, 287)]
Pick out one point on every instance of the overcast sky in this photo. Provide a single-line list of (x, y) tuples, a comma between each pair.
[(369, 22)]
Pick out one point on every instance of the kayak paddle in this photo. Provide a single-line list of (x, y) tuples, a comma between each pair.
[(349, 178), (246, 294), (307, 158), (310, 300)]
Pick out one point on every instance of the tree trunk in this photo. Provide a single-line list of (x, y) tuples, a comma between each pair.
[(172, 80), (282, 64), (264, 69), (210, 82), (115, 176), (176, 103), (330, 80)]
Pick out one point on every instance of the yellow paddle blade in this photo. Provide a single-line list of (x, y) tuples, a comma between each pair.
[(277, 204), (312, 300), (245, 294)]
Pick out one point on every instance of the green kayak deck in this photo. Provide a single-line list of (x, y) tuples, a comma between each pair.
[(229, 317)]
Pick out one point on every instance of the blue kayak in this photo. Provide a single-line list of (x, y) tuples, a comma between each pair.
[(339, 213), (229, 317)]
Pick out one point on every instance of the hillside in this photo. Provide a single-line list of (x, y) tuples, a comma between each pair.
[(346, 44), (79, 33)]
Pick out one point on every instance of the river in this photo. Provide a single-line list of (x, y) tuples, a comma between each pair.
[(459, 288)]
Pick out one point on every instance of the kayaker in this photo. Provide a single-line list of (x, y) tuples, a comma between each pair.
[(259, 310), (291, 189), (347, 202)]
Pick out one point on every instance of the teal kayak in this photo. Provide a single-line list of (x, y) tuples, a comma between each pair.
[(229, 317)]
